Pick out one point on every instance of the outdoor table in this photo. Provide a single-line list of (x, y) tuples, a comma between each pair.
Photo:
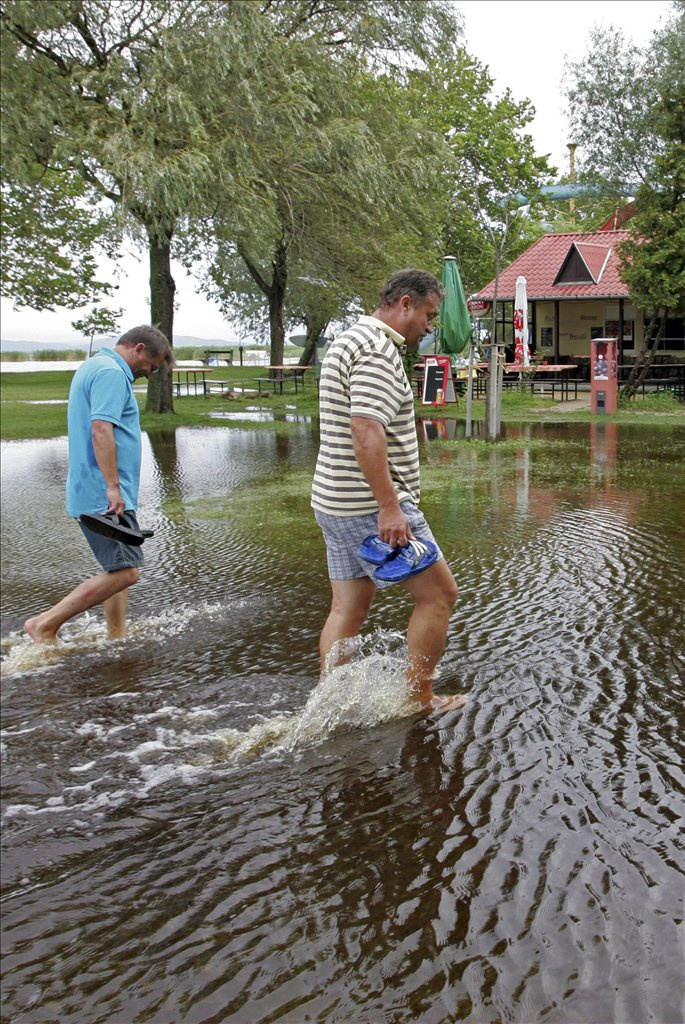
[(280, 374), (539, 367), (544, 368), (194, 376), (674, 371), (661, 377)]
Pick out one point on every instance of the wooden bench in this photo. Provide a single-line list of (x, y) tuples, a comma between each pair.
[(276, 383), (521, 385), (563, 386), (218, 387), (663, 384)]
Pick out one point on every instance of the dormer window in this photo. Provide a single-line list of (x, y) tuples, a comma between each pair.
[(584, 264)]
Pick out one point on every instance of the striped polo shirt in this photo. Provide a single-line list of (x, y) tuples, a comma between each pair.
[(363, 375)]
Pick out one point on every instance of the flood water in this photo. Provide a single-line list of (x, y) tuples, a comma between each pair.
[(196, 831)]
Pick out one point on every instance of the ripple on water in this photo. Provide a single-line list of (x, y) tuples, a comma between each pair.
[(195, 830)]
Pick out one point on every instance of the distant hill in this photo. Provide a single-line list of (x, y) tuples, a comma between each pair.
[(181, 341), (7, 345)]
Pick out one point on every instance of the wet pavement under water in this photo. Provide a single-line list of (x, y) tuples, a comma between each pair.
[(194, 830)]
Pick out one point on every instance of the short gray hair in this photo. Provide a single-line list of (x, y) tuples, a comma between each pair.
[(420, 284), (156, 343)]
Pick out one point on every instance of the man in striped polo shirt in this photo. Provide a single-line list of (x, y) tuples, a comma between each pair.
[(367, 477)]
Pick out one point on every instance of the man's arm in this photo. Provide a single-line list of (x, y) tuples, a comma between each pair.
[(105, 449), (371, 450)]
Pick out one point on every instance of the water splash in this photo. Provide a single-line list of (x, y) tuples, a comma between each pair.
[(89, 633), (371, 688)]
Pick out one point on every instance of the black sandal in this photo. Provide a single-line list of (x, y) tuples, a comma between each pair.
[(116, 527)]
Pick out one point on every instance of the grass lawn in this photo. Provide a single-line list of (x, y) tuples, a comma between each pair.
[(26, 409), (33, 405)]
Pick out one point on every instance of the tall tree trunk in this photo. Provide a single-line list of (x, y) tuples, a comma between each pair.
[(275, 293), (315, 328), (276, 303), (162, 290), (645, 358)]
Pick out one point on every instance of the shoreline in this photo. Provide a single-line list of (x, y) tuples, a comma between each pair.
[(34, 407)]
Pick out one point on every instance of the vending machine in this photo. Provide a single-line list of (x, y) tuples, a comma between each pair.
[(603, 375)]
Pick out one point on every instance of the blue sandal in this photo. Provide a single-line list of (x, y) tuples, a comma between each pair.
[(375, 550), (408, 561)]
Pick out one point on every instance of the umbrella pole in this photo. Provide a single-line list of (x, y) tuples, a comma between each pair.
[(469, 390)]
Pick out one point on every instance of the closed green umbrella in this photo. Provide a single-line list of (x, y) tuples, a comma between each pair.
[(455, 322)]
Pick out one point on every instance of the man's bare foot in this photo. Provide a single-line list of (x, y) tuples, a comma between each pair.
[(445, 703), (117, 634), (38, 633)]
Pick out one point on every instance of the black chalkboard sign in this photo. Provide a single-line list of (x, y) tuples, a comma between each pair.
[(433, 380)]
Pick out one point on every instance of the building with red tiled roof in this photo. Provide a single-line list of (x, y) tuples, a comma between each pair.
[(575, 293)]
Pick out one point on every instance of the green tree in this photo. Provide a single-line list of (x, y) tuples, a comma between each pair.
[(350, 196), (654, 254), (611, 94), (491, 161), (628, 111), (164, 107), (98, 320), (128, 94), (50, 241)]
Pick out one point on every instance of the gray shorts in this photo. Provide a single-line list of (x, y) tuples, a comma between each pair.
[(344, 534), (114, 554)]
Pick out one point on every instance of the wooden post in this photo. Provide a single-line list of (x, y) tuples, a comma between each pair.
[(469, 390)]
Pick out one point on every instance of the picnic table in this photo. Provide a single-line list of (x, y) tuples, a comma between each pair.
[(558, 382), (190, 375), (280, 375), (667, 371)]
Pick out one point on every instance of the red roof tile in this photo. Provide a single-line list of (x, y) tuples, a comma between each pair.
[(541, 263)]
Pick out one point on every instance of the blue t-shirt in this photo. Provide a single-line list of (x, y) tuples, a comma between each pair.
[(102, 389)]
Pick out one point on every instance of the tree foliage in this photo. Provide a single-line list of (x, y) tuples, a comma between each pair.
[(101, 319), (51, 238), (491, 160), (172, 109), (352, 193), (643, 100), (611, 93), (654, 256), (127, 95)]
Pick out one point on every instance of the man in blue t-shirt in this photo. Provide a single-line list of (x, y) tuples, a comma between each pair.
[(104, 474)]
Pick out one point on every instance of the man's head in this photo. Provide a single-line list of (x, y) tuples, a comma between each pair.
[(145, 349), (409, 303)]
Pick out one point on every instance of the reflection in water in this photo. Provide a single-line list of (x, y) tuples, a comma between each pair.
[(195, 830), (603, 446)]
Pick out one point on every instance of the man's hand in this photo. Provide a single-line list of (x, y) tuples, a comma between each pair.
[(393, 527), (115, 502)]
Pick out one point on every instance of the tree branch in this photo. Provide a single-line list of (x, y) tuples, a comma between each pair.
[(259, 280)]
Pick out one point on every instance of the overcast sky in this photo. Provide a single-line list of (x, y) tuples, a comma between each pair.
[(525, 45)]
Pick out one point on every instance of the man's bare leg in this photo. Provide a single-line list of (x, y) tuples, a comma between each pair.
[(435, 593), (115, 614), (350, 604), (43, 628)]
